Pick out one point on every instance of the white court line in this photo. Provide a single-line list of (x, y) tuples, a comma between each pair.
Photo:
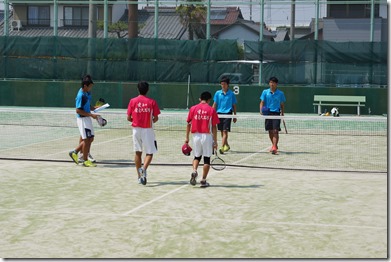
[(240, 221), (249, 156), (154, 200), (62, 152)]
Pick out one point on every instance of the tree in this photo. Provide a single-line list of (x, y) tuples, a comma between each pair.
[(119, 28), (192, 17)]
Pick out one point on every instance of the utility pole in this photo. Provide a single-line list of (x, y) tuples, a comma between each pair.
[(91, 36), (293, 12), (91, 20)]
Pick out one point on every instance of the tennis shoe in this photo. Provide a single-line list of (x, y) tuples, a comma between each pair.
[(274, 150), (88, 163), (193, 179), (73, 155), (89, 158), (221, 150), (204, 183), (271, 148), (143, 175), (227, 148)]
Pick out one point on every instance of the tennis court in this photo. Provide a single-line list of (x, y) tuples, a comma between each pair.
[(310, 201)]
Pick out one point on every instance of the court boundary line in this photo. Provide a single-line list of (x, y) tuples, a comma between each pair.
[(119, 163), (154, 200), (58, 212)]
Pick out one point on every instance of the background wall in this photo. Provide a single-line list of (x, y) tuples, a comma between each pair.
[(174, 95)]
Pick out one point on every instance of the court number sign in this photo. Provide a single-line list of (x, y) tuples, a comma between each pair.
[(236, 90)]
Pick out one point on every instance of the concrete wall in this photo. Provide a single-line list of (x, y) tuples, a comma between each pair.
[(174, 95)]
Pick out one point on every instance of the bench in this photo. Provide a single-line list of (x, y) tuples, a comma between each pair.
[(326, 100)]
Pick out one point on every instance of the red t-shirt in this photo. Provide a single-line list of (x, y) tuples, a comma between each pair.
[(142, 109), (202, 116)]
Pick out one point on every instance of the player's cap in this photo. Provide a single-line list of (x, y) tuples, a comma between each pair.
[(186, 149)]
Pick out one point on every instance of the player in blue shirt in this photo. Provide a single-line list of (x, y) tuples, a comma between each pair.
[(225, 104), (272, 103), (84, 122)]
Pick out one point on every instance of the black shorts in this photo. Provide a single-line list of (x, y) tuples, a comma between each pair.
[(273, 124), (225, 123)]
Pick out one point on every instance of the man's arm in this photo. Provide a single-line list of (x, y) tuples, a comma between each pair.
[(260, 106), (187, 132), (234, 109), (214, 133)]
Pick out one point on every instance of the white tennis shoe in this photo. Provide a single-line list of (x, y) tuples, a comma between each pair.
[(143, 175)]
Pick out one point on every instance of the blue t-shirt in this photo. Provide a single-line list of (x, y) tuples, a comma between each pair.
[(273, 100), (225, 101), (83, 101)]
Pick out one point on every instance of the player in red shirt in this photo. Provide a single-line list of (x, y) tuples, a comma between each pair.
[(201, 122), (143, 112)]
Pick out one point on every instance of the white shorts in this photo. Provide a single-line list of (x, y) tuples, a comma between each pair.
[(85, 127), (144, 138), (202, 144)]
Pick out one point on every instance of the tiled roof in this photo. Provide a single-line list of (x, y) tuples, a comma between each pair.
[(249, 24), (73, 32), (232, 14), (282, 35), (169, 27)]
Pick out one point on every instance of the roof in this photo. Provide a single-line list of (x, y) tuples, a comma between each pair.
[(224, 15), (282, 35), (169, 27), (64, 32), (251, 25)]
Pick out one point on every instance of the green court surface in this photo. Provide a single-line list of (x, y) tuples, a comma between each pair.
[(56, 209)]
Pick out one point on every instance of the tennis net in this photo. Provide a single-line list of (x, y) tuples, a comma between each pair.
[(346, 143)]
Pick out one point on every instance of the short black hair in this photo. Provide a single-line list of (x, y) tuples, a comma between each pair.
[(143, 87), (86, 80), (205, 96), (224, 79), (273, 79)]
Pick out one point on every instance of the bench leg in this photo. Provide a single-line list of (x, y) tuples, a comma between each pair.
[(358, 110), (319, 110)]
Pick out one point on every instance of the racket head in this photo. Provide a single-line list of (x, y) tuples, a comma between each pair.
[(217, 163), (101, 121)]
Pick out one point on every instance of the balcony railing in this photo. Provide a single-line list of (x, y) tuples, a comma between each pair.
[(38, 22), (75, 22)]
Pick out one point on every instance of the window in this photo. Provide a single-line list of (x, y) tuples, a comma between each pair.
[(75, 16), (352, 11), (38, 16)]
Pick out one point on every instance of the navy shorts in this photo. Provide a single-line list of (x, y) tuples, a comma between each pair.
[(225, 123), (273, 124)]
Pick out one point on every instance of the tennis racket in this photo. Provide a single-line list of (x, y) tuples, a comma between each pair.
[(286, 130), (217, 163), (101, 121)]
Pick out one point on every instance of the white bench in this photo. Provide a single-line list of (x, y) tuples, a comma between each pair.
[(326, 100)]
